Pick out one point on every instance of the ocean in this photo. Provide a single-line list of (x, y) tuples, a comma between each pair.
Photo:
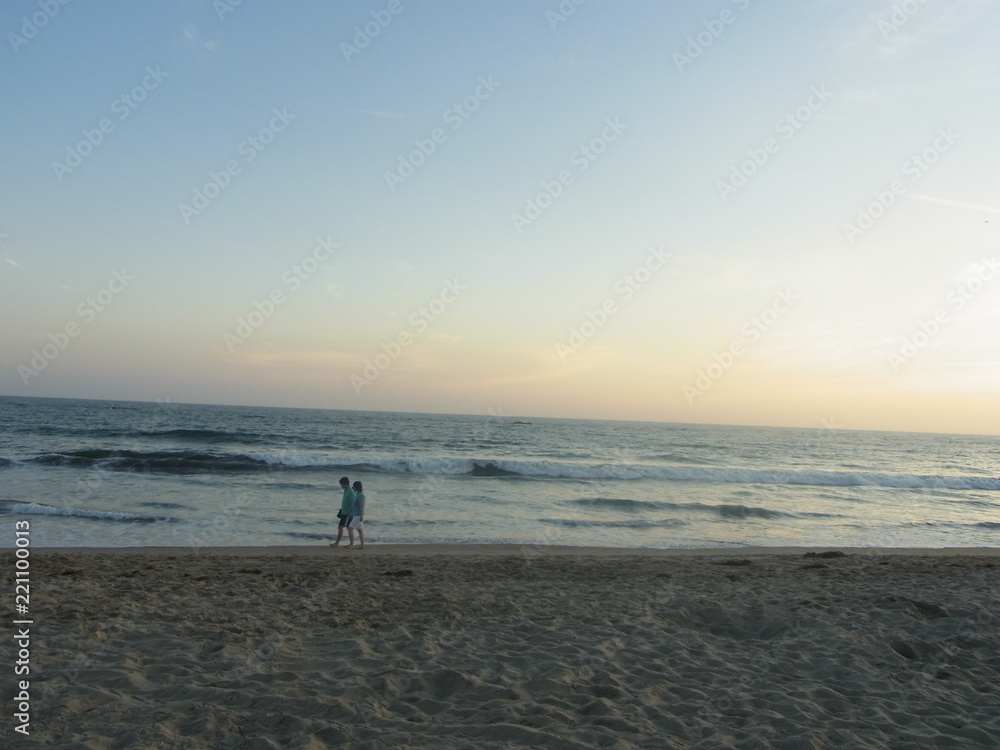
[(117, 474)]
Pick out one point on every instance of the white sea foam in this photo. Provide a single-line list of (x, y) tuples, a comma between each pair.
[(83, 471), (40, 509), (449, 466)]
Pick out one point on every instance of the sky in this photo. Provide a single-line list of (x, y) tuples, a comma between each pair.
[(730, 212)]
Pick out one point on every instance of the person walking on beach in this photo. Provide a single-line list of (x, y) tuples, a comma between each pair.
[(357, 516), (344, 514)]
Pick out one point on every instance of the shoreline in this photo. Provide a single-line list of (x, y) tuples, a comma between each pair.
[(514, 550)]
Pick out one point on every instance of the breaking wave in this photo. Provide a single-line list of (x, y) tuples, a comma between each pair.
[(40, 509), (193, 461)]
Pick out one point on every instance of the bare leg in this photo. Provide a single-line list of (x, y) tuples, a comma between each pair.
[(350, 535), (340, 533), (361, 538)]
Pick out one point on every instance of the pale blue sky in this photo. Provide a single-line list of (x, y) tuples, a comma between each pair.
[(889, 87)]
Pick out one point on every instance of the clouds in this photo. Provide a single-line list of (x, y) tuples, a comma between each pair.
[(239, 72), (899, 29)]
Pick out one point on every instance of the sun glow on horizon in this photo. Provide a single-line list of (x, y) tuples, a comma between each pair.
[(772, 214)]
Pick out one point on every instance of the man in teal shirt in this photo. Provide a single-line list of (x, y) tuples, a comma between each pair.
[(345, 509)]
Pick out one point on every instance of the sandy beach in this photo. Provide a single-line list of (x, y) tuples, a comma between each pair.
[(509, 647)]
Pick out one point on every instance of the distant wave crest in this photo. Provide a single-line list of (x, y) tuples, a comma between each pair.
[(187, 434), (725, 510), (40, 509), (176, 462), (194, 461), (621, 523)]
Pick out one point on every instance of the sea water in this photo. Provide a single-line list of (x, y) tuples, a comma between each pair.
[(99, 473)]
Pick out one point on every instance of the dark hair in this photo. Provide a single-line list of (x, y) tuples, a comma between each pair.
[(357, 486), (345, 480)]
